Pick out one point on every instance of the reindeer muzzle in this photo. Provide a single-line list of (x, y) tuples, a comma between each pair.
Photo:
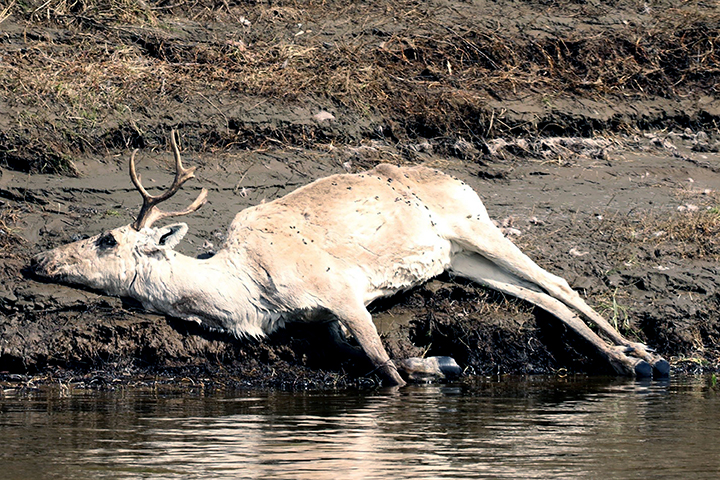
[(41, 266)]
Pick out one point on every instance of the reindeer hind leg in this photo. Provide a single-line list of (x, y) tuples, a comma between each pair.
[(488, 241), (484, 272)]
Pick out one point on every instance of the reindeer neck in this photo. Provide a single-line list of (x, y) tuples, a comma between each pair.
[(216, 292)]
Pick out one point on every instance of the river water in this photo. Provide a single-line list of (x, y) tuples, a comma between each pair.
[(504, 428)]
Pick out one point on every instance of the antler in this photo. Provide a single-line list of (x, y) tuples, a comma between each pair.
[(149, 213)]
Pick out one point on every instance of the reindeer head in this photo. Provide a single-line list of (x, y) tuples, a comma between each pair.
[(110, 260)]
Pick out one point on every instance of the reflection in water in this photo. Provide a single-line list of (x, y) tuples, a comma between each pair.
[(534, 428)]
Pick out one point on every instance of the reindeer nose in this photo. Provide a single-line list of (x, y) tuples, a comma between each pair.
[(39, 263)]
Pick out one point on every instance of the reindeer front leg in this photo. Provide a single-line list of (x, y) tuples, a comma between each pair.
[(359, 322)]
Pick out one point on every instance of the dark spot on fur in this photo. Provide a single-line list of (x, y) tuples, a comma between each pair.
[(105, 241)]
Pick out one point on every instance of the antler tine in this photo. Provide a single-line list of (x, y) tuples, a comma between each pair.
[(149, 213), (135, 179)]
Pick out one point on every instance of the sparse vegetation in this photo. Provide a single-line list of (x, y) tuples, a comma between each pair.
[(9, 236), (99, 75), (617, 313), (691, 235)]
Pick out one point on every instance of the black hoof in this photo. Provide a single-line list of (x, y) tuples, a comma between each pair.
[(643, 369), (661, 368), (449, 367)]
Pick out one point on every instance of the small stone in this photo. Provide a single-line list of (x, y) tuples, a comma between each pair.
[(322, 115)]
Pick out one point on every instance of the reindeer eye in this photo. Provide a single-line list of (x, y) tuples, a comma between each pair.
[(106, 241)]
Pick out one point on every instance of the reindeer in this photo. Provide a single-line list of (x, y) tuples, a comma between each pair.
[(322, 254)]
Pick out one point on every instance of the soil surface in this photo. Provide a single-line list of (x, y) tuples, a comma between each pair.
[(590, 129)]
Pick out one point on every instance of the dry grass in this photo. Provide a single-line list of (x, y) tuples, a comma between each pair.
[(695, 235), (8, 236), (5, 12), (646, 236), (93, 12), (426, 70)]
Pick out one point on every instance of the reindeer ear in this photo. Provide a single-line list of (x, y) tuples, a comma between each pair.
[(170, 235)]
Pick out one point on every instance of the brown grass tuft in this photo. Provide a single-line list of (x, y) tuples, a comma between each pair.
[(89, 12), (8, 236)]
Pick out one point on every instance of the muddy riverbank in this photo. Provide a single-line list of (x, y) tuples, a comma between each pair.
[(590, 130)]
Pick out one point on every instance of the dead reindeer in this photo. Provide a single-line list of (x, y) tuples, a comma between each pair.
[(323, 253)]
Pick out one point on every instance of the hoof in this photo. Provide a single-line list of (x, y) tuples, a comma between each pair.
[(661, 368), (643, 369), (449, 367), (428, 369)]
